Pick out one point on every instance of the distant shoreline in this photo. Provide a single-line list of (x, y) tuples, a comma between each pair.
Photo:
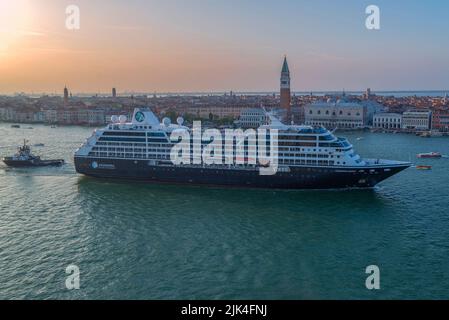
[(395, 93)]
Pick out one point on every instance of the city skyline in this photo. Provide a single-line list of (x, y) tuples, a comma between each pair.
[(160, 46)]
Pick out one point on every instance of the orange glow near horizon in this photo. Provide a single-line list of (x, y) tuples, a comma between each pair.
[(201, 46), (38, 54), (154, 54)]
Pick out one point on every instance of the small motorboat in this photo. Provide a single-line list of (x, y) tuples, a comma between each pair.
[(15, 126), (425, 134), (430, 155), (424, 167), (24, 158)]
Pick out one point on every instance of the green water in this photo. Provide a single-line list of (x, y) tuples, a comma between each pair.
[(141, 241)]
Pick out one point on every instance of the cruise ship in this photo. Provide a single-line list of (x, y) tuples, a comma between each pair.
[(307, 157)]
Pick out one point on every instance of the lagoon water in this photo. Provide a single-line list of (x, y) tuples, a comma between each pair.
[(147, 241)]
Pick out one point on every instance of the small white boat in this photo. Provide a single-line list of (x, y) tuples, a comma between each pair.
[(429, 155)]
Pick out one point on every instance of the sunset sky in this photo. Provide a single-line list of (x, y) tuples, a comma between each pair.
[(218, 45)]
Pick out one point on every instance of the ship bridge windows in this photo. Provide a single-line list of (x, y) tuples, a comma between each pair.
[(299, 144), (330, 145), (157, 134), (120, 139), (326, 138), (124, 134), (157, 140), (306, 138)]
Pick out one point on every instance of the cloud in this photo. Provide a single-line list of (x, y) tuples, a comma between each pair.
[(30, 33), (18, 32)]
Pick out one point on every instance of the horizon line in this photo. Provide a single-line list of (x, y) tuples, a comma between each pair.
[(55, 93)]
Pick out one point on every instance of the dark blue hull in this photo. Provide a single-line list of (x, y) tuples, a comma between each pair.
[(297, 178)]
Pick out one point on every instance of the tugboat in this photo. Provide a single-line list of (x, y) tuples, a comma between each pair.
[(24, 158)]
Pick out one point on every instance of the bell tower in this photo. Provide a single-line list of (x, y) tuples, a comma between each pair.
[(66, 96), (285, 88)]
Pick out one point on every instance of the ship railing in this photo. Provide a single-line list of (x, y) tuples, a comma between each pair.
[(374, 162)]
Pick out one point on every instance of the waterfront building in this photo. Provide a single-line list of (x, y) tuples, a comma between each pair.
[(253, 118), (298, 114), (114, 93), (416, 120), (285, 87), (337, 114), (67, 116), (387, 120), (82, 116), (95, 116), (39, 116), (440, 120), (24, 116), (51, 116), (217, 112), (7, 114)]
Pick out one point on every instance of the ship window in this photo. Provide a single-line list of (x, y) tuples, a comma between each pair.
[(326, 138), (307, 144), (308, 138), (156, 134), (127, 134), (117, 139)]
